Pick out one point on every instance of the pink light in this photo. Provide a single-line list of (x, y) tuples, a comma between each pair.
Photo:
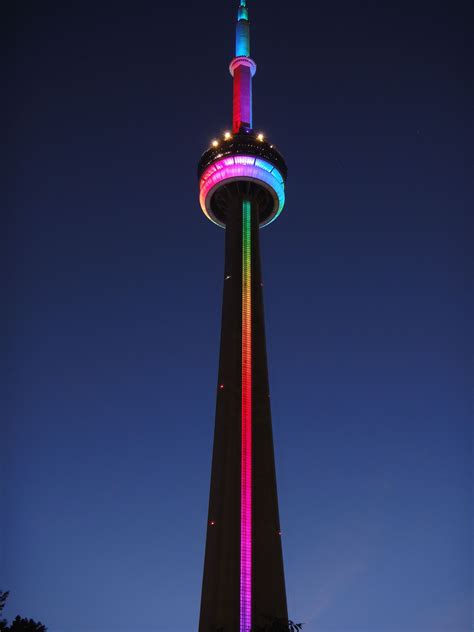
[(244, 160), (246, 439), (241, 168), (242, 98), (242, 68), (208, 171)]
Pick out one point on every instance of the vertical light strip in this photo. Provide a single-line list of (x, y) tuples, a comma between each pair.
[(246, 459)]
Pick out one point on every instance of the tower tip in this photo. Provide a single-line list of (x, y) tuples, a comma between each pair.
[(243, 12)]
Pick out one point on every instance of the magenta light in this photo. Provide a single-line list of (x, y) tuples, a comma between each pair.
[(241, 167), (246, 439)]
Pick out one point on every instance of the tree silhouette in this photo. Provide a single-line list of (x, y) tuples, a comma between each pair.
[(18, 624), (3, 598)]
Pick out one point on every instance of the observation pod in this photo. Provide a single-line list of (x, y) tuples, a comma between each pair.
[(242, 164)]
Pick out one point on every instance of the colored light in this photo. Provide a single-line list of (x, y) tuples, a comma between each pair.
[(264, 164), (242, 35), (244, 160), (243, 13), (245, 168), (246, 439), (242, 68)]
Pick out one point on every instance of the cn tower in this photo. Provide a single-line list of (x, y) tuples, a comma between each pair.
[(242, 189)]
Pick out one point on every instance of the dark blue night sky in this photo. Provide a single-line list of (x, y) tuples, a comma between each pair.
[(114, 284)]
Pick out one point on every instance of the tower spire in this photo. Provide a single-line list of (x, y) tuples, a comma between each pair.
[(242, 68), (242, 39)]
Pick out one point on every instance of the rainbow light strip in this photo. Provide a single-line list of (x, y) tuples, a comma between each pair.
[(241, 168), (246, 445)]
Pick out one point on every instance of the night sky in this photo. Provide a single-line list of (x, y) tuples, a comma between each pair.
[(113, 285)]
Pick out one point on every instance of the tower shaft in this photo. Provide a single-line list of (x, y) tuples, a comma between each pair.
[(243, 569)]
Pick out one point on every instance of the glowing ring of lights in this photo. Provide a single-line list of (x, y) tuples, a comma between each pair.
[(238, 167), (243, 60)]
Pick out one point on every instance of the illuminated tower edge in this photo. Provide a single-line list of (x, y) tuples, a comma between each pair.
[(242, 188)]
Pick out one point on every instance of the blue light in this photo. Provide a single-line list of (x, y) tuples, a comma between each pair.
[(243, 13), (265, 165), (242, 39)]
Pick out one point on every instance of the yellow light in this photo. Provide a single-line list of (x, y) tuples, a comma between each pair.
[(215, 143), (227, 135), (260, 137)]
